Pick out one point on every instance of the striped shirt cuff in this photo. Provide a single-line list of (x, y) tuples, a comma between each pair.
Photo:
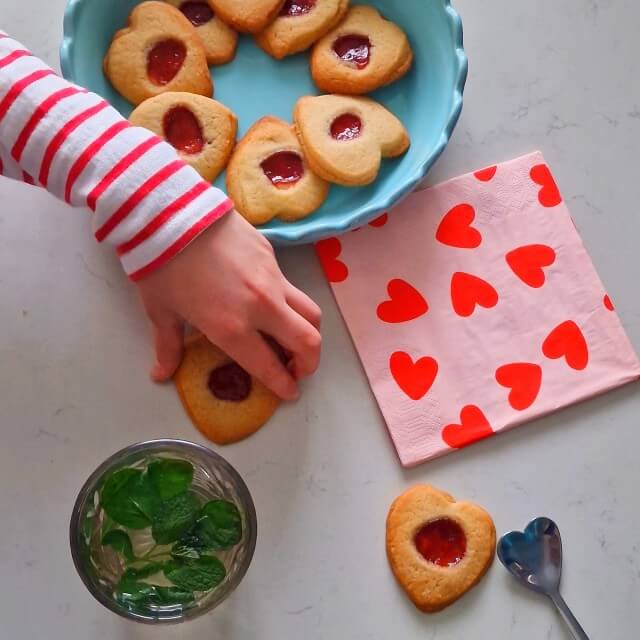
[(146, 201)]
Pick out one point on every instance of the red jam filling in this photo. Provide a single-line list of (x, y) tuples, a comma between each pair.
[(198, 13), (165, 60), (442, 542), (183, 131), (284, 168), (353, 48), (297, 7), (346, 127), (230, 382)]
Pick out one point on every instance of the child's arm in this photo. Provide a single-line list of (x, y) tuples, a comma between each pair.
[(151, 206)]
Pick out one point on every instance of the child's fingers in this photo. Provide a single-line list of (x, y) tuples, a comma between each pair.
[(169, 344), (256, 357), (298, 336), (303, 304)]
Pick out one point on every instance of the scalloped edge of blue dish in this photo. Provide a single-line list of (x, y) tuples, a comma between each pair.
[(325, 229)]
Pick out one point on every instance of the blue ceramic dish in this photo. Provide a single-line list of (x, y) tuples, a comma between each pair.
[(428, 99)]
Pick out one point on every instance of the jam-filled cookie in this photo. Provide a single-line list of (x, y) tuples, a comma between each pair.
[(362, 53), (248, 16), (224, 402), (268, 175), (438, 548), (202, 130), (158, 51), (299, 24), (345, 137), (218, 38)]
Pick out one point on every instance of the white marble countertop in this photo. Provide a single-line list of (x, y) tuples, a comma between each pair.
[(560, 76)]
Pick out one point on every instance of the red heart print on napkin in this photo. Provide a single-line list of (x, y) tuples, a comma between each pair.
[(473, 426), (414, 378), (380, 221), (405, 303), (468, 290), (608, 303), (549, 194), (455, 228), (328, 252), (527, 263), (524, 380), (485, 175), (567, 340)]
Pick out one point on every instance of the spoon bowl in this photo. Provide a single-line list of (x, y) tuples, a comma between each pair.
[(534, 558)]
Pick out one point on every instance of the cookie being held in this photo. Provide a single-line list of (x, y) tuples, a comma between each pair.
[(364, 52), (268, 176), (248, 16), (344, 138), (158, 51), (202, 130), (438, 548), (299, 24), (224, 402), (218, 38)]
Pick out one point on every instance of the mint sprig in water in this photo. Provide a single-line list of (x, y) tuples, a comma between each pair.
[(160, 498), (170, 478), (200, 574), (174, 517), (219, 525)]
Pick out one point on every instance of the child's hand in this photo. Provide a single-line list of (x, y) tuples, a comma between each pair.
[(227, 283)]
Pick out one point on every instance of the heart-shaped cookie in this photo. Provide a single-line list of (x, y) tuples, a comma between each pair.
[(438, 548), (364, 52), (345, 138), (201, 129), (299, 24), (268, 175), (218, 38), (158, 51), (224, 402), (248, 16)]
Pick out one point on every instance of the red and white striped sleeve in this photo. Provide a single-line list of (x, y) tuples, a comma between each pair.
[(146, 201)]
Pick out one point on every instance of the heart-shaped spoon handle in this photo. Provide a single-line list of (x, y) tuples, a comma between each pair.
[(576, 630)]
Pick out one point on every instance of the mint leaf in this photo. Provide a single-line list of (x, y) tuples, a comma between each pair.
[(188, 546), (170, 478), (115, 499), (120, 541), (145, 496), (201, 574), (219, 525), (174, 595), (174, 517), (133, 575)]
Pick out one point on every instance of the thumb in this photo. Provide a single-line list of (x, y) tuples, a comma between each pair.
[(168, 335)]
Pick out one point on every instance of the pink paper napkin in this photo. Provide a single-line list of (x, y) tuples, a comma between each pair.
[(475, 307)]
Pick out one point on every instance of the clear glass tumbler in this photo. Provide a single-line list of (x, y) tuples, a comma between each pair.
[(100, 567)]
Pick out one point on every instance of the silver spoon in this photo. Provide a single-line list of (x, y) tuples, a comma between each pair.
[(534, 557)]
